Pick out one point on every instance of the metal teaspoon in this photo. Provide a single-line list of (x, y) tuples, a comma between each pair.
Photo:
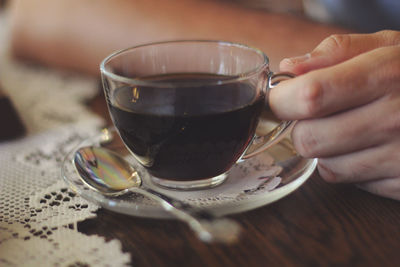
[(108, 173)]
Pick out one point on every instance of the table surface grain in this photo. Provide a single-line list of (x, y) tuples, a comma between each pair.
[(319, 224)]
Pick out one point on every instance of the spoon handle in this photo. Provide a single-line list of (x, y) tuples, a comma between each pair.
[(207, 226)]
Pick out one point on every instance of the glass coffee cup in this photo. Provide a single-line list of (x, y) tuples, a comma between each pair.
[(188, 110)]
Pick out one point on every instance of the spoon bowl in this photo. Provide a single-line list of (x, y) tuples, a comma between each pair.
[(107, 172)]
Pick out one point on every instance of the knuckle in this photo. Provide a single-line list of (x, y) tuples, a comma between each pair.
[(390, 37), (359, 167), (304, 141), (336, 42), (312, 96), (387, 73), (391, 69), (384, 72), (394, 125), (391, 124)]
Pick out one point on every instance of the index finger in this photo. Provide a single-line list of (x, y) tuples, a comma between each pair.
[(338, 48), (352, 83)]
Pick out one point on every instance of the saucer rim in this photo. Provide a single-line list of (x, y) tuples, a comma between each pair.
[(156, 212)]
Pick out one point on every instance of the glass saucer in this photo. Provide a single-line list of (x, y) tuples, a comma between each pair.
[(250, 184)]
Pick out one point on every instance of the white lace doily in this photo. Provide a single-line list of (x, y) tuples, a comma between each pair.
[(38, 213)]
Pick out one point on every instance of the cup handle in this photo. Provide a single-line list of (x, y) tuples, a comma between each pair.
[(275, 135)]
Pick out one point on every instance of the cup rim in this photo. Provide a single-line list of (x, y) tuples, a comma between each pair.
[(229, 79)]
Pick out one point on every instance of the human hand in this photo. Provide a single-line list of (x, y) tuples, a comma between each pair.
[(347, 103)]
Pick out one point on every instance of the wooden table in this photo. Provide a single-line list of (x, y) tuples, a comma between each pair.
[(319, 224)]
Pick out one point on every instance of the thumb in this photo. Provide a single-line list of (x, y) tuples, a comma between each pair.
[(338, 48)]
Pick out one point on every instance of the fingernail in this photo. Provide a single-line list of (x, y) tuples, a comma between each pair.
[(296, 60)]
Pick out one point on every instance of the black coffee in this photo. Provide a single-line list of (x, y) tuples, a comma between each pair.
[(190, 131)]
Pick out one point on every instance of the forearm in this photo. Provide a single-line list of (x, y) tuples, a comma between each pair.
[(78, 34)]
